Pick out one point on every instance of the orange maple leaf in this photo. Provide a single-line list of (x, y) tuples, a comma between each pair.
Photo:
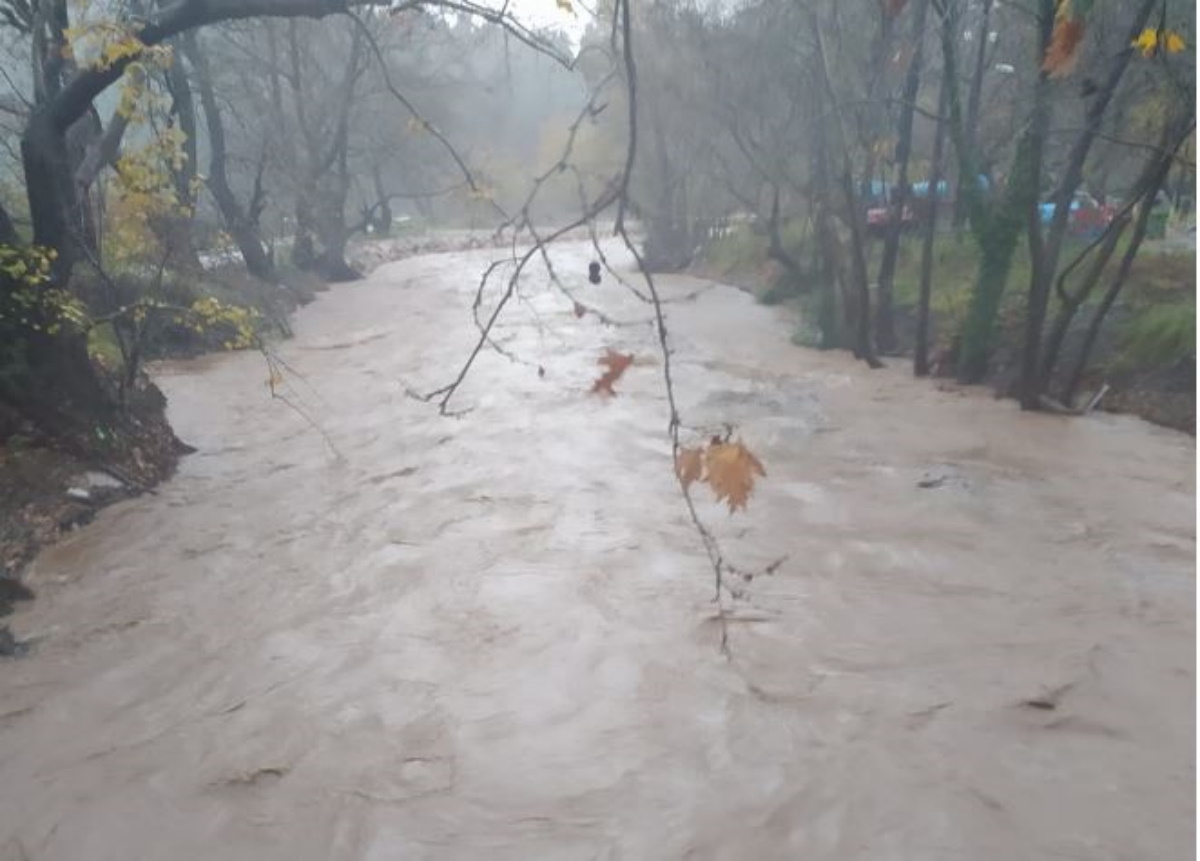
[(731, 470), (616, 363), (1063, 53), (689, 466)]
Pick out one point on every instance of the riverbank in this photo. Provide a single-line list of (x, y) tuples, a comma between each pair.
[(52, 485), (1144, 358)]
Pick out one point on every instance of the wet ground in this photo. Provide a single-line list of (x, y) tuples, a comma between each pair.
[(373, 632)]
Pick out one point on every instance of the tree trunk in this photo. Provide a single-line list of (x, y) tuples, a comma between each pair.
[(667, 246), (1070, 303), (331, 223), (863, 347), (304, 245), (1181, 128), (776, 249), (1114, 290), (1045, 263), (54, 205), (885, 325), (921, 349), (974, 96), (321, 233), (997, 233), (833, 333), (178, 235), (383, 207), (8, 231), (969, 195), (332, 213), (50, 188), (858, 294), (243, 228)]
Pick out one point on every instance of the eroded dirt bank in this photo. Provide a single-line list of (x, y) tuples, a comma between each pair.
[(490, 637)]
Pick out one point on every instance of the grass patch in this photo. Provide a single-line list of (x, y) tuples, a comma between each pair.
[(739, 250), (1160, 334), (102, 345)]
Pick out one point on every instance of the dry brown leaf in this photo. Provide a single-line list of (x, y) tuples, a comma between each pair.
[(580, 310), (1063, 53), (731, 470), (616, 363), (689, 466)]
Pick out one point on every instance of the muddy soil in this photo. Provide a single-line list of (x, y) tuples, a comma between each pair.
[(352, 628)]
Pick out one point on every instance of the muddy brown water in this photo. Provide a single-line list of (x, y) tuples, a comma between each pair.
[(491, 637)]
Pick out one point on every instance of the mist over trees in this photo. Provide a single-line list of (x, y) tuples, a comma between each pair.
[(146, 139)]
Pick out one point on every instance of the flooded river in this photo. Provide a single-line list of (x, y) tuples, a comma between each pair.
[(379, 633)]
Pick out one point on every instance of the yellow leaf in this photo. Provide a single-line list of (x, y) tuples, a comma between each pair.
[(1147, 42), (689, 466), (731, 471), (1174, 42)]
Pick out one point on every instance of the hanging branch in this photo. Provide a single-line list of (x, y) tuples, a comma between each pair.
[(616, 192)]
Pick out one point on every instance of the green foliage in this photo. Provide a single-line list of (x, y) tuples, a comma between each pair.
[(955, 268), (738, 250), (998, 236), (143, 194), (810, 329), (99, 44), (1160, 334), (237, 325), (28, 302)]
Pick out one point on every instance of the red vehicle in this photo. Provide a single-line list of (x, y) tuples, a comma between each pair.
[(879, 217), (1087, 217)]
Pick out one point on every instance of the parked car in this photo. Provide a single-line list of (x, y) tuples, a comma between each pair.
[(879, 217), (1086, 217)]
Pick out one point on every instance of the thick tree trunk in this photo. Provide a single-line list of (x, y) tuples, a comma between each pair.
[(332, 264), (863, 347), (998, 232), (50, 188)]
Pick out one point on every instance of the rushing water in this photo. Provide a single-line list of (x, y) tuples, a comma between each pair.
[(491, 636)]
